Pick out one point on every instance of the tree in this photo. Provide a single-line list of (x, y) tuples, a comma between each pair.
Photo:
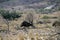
[(8, 16)]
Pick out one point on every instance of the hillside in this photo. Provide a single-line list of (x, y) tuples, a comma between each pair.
[(1, 1), (29, 19), (27, 3)]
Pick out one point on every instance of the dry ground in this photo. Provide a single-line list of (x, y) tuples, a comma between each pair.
[(42, 32)]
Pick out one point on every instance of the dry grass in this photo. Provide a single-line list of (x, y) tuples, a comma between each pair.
[(31, 35)]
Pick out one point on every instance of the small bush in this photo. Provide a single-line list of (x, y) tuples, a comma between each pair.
[(48, 26), (45, 17), (15, 15)]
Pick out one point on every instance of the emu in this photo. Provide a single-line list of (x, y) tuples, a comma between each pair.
[(25, 24), (56, 23)]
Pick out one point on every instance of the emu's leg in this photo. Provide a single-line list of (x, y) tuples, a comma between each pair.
[(22, 27), (55, 25), (26, 29), (33, 27)]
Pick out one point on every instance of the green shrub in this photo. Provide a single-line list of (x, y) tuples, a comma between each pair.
[(45, 17), (9, 15)]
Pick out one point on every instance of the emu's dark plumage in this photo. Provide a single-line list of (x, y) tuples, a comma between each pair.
[(26, 24)]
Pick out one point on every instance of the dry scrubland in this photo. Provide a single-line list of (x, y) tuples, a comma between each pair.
[(43, 31)]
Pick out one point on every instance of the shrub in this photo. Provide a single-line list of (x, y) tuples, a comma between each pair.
[(9, 16), (48, 26), (45, 17)]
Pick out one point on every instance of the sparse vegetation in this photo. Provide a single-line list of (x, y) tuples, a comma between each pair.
[(48, 17), (45, 17), (43, 27), (48, 26), (9, 16), (29, 19)]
